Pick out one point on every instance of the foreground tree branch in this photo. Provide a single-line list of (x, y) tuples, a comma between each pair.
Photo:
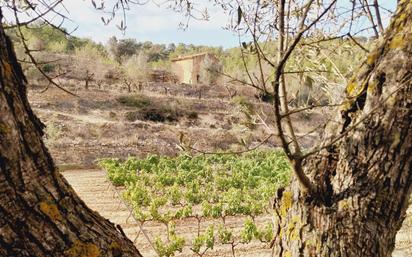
[(363, 181)]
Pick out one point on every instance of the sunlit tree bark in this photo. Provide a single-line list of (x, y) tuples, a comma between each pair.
[(364, 182), (40, 214)]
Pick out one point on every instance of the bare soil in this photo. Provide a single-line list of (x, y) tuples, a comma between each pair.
[(93, 187), (95, 190)]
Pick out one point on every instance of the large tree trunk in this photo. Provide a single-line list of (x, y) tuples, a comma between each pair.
[(365, 180), (40, 214)]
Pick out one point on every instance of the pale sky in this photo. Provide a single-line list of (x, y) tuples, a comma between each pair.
[(150, 22)]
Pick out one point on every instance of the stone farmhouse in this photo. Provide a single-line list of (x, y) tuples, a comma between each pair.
[(188, 69)]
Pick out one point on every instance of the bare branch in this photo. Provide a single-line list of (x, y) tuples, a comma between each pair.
[(31, 57)]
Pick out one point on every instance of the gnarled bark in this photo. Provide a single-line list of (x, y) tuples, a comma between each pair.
[(40, 214), (365, 181)]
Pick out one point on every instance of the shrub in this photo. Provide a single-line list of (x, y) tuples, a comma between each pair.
[(110, 74), (132, 116), (243, 101), (136, 67), (154, 115), (192, 115), (265, 97), (112, 114), (160, 114), (58, 47), (137, 101), (48, 68)]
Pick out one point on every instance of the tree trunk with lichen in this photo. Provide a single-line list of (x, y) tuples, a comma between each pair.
[(363, 182), (40, 214)]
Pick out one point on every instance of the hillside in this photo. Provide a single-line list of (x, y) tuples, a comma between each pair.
[(99, 123)]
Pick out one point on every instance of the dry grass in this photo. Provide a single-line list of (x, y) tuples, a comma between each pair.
[(110, 122)]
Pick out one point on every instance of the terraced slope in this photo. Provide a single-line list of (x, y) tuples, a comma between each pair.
[(97, 124)]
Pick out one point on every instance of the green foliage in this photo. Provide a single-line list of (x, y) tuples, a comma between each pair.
[(266, 234), (174, 243), (225, 235), (336, 59), (137, 101), (45, 34), (117, 173), (183, 49), (58, 47), (42, 36), (91, 51), (249, 231), (212, 210), (48, 68), (123, 49), (205, 240), (165, 189)]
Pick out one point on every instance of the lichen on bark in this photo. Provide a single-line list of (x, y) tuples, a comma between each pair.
[(364, 180), (40, 214)]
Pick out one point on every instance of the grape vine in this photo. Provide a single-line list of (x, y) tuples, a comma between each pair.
[(205, 188)]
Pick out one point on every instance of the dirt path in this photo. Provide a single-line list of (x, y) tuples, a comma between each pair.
[(92, 118), (95, 190)]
